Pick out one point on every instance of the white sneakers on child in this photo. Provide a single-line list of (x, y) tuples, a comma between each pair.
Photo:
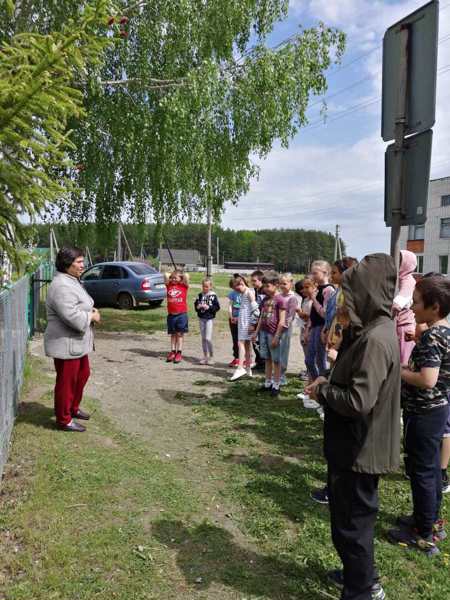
[(240, 372), (307, 402)]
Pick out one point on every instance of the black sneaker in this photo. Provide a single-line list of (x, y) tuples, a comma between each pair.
[(409, 537), (320, 495), (336, 577)]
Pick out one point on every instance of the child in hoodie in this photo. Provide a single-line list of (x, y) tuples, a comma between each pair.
[(206, 307), (404, 316)]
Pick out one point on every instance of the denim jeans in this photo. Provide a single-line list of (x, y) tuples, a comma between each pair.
[(422, 440), (285, 347), (315, 359)]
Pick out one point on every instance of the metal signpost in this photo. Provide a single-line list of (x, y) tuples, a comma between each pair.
[(409, 105)]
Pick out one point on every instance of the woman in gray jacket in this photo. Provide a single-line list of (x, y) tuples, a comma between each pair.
[(69, 336)]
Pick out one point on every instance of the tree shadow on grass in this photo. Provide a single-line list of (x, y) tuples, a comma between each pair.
[(293, 464), (182, 398), (207, 555), (36, 414)]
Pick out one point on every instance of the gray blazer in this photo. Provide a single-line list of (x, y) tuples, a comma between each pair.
[(69, 333)]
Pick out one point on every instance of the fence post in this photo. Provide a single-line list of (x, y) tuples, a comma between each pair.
[(31, 307)]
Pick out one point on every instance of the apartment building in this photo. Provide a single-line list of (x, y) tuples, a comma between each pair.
[(431, 242)]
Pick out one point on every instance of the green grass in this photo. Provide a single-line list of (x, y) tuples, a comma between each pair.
[(100, 516), (145, 319), (272, 450), (76, 512)]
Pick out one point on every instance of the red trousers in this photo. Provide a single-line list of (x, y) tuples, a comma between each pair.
[(71, 377)]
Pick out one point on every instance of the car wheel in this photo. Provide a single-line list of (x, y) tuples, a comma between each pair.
[(155, 304), (125, 301)]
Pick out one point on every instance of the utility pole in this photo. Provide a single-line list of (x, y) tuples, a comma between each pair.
[(119, 242), (337, 244), (209, 257)]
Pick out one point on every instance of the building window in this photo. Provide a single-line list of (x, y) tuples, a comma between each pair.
[(416, 232), (445, 228), (443, 264), (445, 200), (419, 268)]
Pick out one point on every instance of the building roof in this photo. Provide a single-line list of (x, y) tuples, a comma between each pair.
[(180, 257)]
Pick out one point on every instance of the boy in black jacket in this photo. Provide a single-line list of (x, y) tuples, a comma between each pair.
[(206, 306), (361, 400)]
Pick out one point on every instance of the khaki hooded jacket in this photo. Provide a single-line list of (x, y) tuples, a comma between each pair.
[(362, 397)]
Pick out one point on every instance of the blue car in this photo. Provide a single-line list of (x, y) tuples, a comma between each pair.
[(124, 284)]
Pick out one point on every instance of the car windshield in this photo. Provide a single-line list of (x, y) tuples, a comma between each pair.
[(142, 269)]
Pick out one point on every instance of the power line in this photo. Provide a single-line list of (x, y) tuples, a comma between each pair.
[(365, 104), (361, 81)]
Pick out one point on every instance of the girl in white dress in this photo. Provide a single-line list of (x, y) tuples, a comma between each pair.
[(247, 313)]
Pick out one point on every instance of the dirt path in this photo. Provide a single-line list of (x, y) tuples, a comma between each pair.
[(154, 400)]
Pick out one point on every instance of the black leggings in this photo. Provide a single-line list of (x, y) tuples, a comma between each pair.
[(234, 335)]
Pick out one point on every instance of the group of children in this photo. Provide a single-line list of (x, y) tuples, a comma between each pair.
[(346, 324), (262, 311)]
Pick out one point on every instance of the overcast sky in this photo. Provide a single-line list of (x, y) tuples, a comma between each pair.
[(333, 173)]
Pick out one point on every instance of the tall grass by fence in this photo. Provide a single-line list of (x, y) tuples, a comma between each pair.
[(21, 314)]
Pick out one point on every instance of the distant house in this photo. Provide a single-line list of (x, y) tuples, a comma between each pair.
[(184, 259), (248, 266)]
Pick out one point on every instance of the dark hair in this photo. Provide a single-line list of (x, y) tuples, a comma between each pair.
[(259, 274), (66, 256), (349, 261), (271, 277), (299, 286), (435, 290), (433, 274), (340, 265)]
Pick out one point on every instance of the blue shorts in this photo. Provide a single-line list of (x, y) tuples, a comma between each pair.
[(177, 323), (265, 347)]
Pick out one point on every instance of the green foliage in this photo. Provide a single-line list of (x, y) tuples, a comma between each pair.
[(289, 249), (183, 104), (37, 98)]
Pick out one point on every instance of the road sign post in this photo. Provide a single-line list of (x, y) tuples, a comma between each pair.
[(408, 108), (400, 126)]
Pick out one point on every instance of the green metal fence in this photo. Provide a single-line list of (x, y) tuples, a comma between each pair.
[(22, 313)]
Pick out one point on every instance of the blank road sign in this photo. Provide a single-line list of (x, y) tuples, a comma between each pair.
[(416, 163), (421, 90)]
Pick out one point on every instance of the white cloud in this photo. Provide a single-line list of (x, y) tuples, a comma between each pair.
[(318, 185)]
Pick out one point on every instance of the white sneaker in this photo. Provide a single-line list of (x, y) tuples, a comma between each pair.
[(302, 396), (210, 361), (240, 372), (203, 361), (249, 372), (308, 403)]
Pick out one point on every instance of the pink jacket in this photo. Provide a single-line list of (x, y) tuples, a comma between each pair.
[(406, 284)]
